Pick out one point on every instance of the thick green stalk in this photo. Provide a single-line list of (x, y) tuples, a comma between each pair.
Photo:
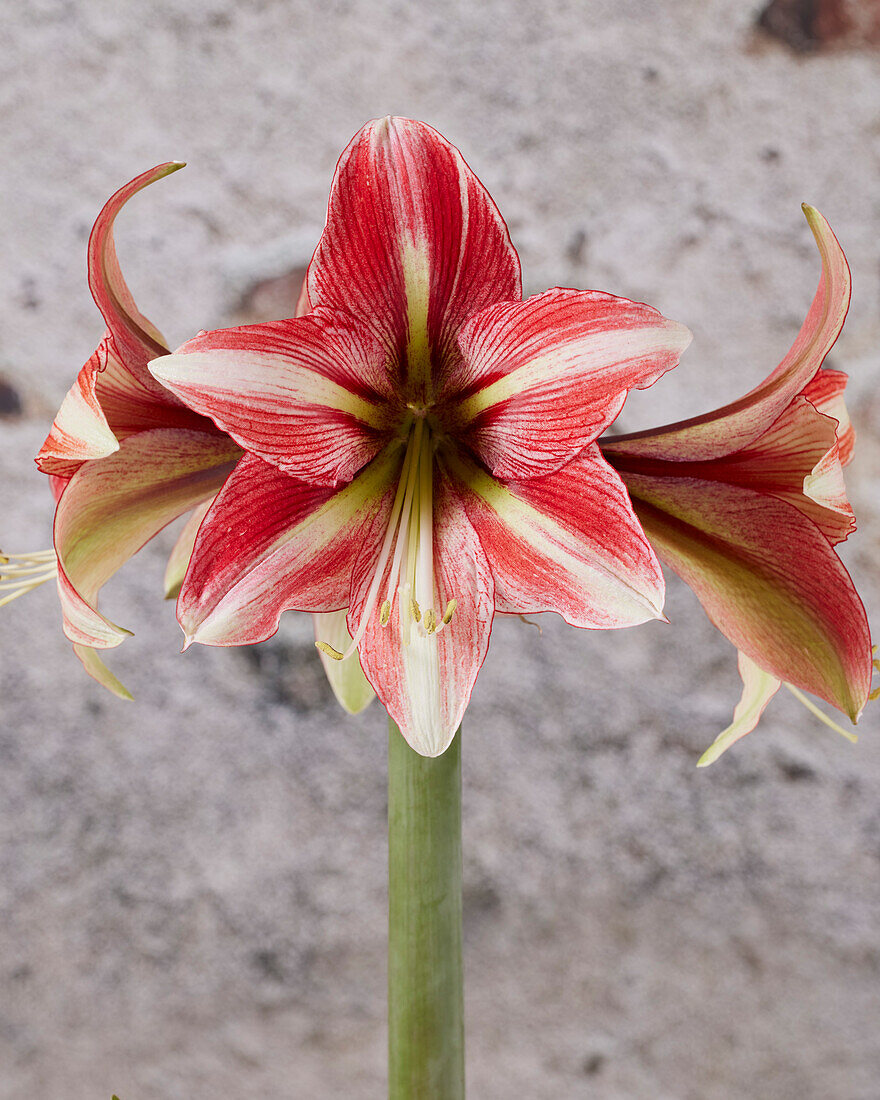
[(425, 981)]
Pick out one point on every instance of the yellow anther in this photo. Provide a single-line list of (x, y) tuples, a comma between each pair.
[(325, 647), (385, 612), (430, 623), (416, 610), (449, 612)]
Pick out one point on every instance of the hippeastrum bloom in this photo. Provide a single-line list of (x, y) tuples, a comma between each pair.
[(420, 445), (125, 457), (746, 504)]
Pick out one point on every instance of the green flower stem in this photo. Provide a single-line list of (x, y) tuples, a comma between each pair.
[(425, 980)]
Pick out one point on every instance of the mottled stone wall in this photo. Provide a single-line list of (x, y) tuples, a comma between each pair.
[(192, 886)]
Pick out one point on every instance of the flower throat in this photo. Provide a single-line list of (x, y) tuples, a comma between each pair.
[(409, 548)]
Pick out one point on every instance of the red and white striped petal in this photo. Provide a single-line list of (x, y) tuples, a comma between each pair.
[(759, 687), (109, 509), (80, 431), (767, 578), (795, 460), (413, 246), (826, 393), (137, 341), (351, 688), (105, 404), (544, 377), (425, 682), (567, 542), (272, 543), (309, 395), (738, 424)]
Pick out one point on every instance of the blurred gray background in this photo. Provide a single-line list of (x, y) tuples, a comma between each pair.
[(192, 886)]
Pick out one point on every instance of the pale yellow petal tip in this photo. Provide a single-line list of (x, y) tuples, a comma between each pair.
[(814, 218), (173, 166), (710, 756), (816, 221), (99, 672), (172, 591), (354, 708)]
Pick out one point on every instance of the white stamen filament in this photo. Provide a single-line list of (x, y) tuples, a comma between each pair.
[(424, 564), (22, 573), (406, 553), (400, 506), (813, 709)]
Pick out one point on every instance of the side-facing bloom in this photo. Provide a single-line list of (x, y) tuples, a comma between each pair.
[(420, 445), (747, 503), (124, 456)]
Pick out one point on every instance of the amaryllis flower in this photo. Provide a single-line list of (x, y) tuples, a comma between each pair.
[(420, 445), (125, 457), (746, 504)]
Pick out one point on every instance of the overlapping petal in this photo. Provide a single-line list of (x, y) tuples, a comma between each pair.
[(413, 246), (795, 460), (110, 508), (544, 377), (114, 394), (826, 393), (736, 425), (271, 542), (768, 579), (569, 542), (425, 679), (179, 558), (105, 404), (309, 395), (80, 431), (136, 339)]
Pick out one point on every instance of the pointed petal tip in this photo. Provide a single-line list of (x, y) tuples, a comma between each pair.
[(430, 752), (154, 366), (168, 167)]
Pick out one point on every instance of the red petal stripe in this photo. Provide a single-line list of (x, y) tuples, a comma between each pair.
[(568, 542), (767, 578), (413, 245), (544, 377)]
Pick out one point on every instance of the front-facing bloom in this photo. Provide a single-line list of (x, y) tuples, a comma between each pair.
[(420, 444)]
